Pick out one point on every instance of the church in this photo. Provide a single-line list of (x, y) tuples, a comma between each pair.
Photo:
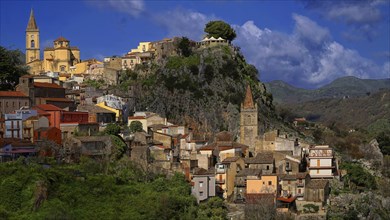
[(59, 58), (271, 141)]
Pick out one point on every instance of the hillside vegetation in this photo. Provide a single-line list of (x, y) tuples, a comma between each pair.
[(343, 87), (203, 90), (48, 191)]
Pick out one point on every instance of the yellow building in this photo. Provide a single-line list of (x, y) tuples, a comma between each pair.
[(58, 58), (32, 45), (142, 47), (84, 66), (264, 184), (61, 56), (118, 113)]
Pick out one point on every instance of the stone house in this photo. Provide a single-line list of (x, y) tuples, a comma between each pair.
[(287, 164), (97, 114), (293, 185), (44, 93), (263, 161), (222, 148), (98, 147), (203, 184), (317, 190), (274, 141), (225, 175), (31, 124), (12, 100), (240, 182)]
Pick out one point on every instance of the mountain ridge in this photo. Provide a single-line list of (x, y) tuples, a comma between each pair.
[(348, 86)]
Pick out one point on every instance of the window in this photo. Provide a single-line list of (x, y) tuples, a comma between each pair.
[(300, 181), (200, 193), (263, 183), (13, 104), (299, 191), (6, 104), (289, 182), (267, 167), (269, 183), (32, 43), (201, 184)]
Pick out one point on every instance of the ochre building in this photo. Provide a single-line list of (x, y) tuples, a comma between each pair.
[(59, 58)]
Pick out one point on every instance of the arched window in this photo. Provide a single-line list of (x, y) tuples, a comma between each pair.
[(32, 43)]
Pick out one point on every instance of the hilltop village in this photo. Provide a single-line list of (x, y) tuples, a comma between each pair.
[(56, 112)]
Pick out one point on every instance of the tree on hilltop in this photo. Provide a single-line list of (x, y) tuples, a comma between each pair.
[(185, 47), (221, 29), (11, 68)]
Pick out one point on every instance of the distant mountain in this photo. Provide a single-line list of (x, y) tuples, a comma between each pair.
[(342, 87), (356, 112)]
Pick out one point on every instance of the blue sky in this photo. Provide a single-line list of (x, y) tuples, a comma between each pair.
[(305, 43)]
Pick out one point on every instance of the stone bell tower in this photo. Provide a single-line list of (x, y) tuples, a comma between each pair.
[(248, 121), (32, 40)]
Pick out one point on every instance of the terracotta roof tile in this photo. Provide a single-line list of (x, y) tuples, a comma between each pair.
[(58, 99), (12, 94), (61, 39), (47, 85), (248, 102), (48, 107)]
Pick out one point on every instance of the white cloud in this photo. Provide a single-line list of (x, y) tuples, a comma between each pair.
[(309, 32), (183, 22), (133, 8), (303, 58), (362, 16)]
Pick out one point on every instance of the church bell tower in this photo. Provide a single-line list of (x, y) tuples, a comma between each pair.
[(248, 121), (32, 40)]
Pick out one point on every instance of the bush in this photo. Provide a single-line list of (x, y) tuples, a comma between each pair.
[(112, 129), (136, 126), (310, 208), (358, 176)]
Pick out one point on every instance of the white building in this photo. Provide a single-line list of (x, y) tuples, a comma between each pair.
[(321, 162)]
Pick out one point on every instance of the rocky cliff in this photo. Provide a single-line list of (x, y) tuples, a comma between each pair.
[(203, 90)]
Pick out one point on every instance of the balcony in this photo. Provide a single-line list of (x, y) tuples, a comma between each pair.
[(300, 184), (220, 168), (299, 194)]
